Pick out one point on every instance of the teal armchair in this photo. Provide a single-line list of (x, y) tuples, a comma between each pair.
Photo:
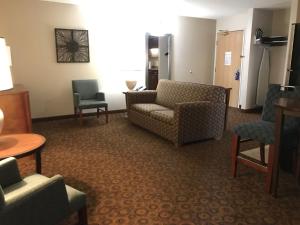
[(36, 199), (86, 95)]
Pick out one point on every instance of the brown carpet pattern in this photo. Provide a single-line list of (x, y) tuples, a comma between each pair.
[(134, 177)]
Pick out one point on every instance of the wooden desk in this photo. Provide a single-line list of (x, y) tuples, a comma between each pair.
[(21, 145), (16, 108), (284, 106)]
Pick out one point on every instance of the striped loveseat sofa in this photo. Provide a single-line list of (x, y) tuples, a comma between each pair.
[(181, 112)]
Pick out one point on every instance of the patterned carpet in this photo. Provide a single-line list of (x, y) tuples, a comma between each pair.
[(134, 177)]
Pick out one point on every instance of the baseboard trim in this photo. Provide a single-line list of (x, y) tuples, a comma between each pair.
[(253, 110), (62, 117)]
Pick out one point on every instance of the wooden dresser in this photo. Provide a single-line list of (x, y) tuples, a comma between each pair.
[(15, 106)]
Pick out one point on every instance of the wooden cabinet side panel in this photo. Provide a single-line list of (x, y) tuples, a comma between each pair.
[(17, 117)]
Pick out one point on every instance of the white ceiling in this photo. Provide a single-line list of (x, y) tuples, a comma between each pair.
[(212, 9)]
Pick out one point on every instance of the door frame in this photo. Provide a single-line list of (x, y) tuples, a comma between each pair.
[(242, 60)]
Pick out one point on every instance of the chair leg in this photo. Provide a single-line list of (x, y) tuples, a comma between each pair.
[(298, 164), (106, 114), (98, 113), (80, 115), (235, 145), (269, 178), (75, 112), (262, 153), (82, 216)]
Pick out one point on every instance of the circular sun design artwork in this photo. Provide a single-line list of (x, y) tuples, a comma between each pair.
[(72, 45)]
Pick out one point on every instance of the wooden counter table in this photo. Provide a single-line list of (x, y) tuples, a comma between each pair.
[(284, 107), (21, 145)]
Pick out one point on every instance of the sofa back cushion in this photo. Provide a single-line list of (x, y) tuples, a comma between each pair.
[(171, 92)]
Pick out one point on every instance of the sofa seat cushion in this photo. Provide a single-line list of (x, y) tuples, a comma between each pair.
[(163, 115), (147, 107)]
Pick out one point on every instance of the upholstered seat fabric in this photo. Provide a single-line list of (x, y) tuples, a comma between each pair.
[(263, 130), (163, 115), (147, 107)]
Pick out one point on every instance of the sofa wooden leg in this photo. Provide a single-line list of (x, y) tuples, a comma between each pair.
[(235, 146), (82, 216), (98, 113)]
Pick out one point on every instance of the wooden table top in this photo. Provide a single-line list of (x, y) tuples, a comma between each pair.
[(291, 104), (18, 144)]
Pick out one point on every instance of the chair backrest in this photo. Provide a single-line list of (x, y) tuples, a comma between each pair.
[(86, 88), (171, 92), (275, 92)]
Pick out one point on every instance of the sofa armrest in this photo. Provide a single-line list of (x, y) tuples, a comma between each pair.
[(100, 96), (76, 99), (202, 118), (9, 172), (35, 205), (134, 97)]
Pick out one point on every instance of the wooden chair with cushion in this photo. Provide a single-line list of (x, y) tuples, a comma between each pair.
[(86, 95), (263, 132), (36, 199)]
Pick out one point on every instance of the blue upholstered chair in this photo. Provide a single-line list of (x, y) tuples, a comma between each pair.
[(86, 95), (36, 199), (263, 132)]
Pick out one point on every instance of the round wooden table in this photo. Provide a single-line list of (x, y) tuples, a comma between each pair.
[(21, 145)]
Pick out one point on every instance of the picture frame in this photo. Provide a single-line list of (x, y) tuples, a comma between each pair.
[(72, 45)]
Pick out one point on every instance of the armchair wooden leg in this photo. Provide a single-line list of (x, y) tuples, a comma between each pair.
[(235, 145), (98, 113), (298, 164), (80, 115), (75, 112), (82, 216), (269, 180), (106, 114), (262, 153)]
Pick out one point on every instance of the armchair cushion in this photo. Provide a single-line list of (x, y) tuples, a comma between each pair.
[(90, 104), (147, 108), (9, 172), (2, 200), (37, 200), (163, 115)]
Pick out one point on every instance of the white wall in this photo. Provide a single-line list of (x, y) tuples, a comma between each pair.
[(28, 27), (272, 23), (193, 50), (280, 27)]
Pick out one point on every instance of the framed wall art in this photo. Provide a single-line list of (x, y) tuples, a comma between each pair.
[(72, 46)]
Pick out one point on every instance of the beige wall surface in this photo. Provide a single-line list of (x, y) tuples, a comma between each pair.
[(193, 50), (28, 27)]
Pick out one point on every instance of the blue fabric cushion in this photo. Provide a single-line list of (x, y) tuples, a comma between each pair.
[(90, 104), (86, 88)]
